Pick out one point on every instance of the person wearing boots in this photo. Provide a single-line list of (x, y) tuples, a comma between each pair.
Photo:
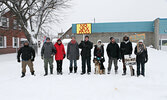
[(27, 54), (47, 53), (73, 54), (141, 57), (113, 54), (59, 56), (126, 49), (99, 54), (86, 47)]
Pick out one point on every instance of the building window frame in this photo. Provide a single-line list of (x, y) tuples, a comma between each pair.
[(16, 42), (5, 22), (3, 42)]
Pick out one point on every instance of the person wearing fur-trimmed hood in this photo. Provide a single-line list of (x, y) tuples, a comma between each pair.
[(141, 57), (99, 54)]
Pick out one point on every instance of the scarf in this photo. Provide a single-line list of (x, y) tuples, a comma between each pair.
[(73, 41), (126, 42), (140, 48)]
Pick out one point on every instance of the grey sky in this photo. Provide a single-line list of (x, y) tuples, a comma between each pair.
[(84, 11)]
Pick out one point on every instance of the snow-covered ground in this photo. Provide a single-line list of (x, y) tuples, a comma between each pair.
[(86, 87)]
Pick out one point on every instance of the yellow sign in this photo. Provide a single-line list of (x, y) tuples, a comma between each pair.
[(84, 28), (137, 37)]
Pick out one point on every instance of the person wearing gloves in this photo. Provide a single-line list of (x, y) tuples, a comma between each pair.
[(73, 54), (27, 54), (126, 49), (47, 53), (99, 54), (59, 56), (113, 54), (86, 47), (141, 57)]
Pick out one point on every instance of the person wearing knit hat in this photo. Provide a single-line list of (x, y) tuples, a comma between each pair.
[(113, 55), (47, 52), (141, 57), (73, 54), (59, 56), (27, 54), (126, 49)]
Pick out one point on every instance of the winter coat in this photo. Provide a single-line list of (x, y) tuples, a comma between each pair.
[(72, 51), (99, 52), (60, 51), (126, 48), (26, 53), (113, 50), (86, 47), (141, 56), (48, 50)]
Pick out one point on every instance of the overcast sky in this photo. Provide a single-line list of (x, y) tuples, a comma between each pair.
[(84, 11)]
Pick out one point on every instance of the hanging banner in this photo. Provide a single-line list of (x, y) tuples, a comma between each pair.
[(84, 28), (137, 37)]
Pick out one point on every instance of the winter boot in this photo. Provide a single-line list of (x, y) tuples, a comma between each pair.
[(23, 74), (51, 70), (32, 73), (133, 72), (124, 72), (116, 72), (46, 72), (71, 68), (75, 69)]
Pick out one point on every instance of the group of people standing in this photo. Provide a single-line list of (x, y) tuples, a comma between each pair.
[(113, 50)]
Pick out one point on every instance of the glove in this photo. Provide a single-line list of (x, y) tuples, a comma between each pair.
[(41, 57), (146, 61), (64, 56), (32, 59), (18, 60)]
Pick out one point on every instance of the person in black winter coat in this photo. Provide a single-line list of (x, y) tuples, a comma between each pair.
[(113, 54), (86, 47), (99, 54), (141, 57), (28, 55), (126, 49)]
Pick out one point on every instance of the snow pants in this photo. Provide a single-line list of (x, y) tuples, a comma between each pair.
[(46, 61)]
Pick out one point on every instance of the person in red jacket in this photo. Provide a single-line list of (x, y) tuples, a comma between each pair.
[(59, 56)]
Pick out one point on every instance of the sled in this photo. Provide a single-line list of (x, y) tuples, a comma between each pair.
[(130, 60)]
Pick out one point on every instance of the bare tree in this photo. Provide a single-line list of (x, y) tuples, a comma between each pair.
[(34, 16)]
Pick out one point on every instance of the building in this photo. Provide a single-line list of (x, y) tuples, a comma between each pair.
[(11, 34), (152, 32)]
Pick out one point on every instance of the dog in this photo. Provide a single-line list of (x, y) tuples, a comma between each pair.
[(97, 66)]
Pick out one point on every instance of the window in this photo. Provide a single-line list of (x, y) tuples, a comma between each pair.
[(16, 42), (14, 24), (5, 21), (2, 41)]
